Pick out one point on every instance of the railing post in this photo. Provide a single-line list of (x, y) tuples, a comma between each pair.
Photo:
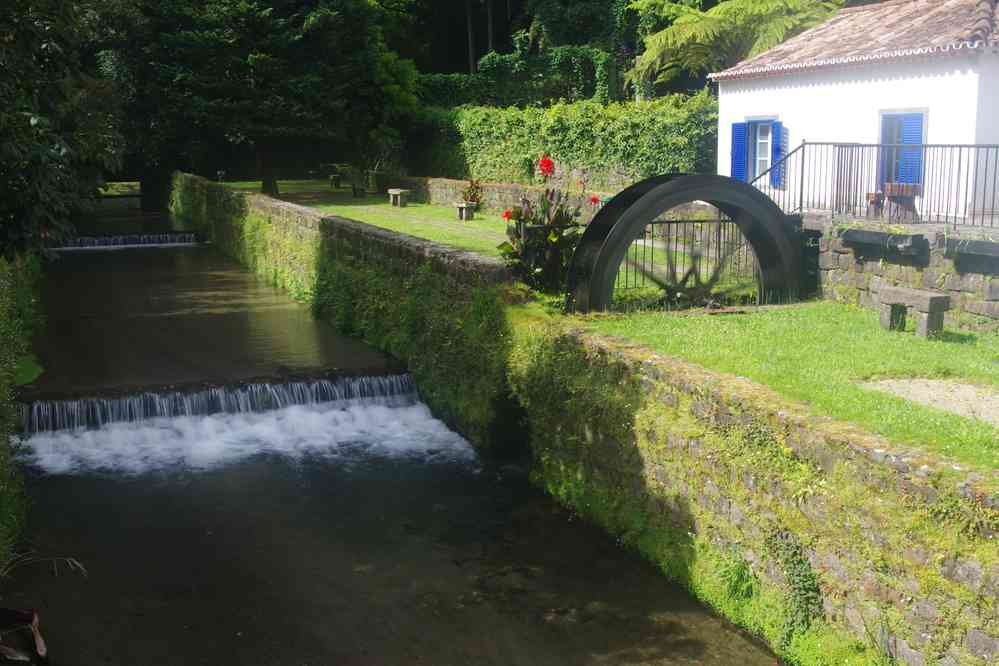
[(801, 180)]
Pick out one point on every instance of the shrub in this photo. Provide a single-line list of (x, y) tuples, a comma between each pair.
[(17, 316), (544, 234), (614, 145), (472, 193)]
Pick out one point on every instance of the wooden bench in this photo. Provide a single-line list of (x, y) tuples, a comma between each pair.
[(929, 307), (399, 197)]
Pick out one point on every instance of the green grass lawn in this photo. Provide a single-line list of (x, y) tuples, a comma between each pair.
[(121, 187), (818, 353), (436, 223), (285, 186)]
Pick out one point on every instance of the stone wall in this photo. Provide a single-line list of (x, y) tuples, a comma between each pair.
[(832, 544), (437, 309), (856, 273), (712, 476), (495, 196)]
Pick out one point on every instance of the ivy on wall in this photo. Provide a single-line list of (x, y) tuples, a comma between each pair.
[(17, 318), (611, 145)]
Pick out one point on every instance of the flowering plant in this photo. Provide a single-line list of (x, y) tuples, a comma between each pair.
[(472, 193), (544, 234)]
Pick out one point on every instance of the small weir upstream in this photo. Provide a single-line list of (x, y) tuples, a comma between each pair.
[(126, 241), (295, 522)]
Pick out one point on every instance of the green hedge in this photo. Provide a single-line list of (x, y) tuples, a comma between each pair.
[(17, 317), (566, 73), (612, 145)]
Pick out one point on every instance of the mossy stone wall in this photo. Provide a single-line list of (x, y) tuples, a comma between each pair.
[(856, 274), (832, 544), (440, 310), (17, 287)]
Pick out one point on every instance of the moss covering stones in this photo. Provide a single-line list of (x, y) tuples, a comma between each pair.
[(833, 544)]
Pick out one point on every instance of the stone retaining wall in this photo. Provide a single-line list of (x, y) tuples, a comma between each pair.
[(495, 196), (706, 473), (856, 274), (834, 545)]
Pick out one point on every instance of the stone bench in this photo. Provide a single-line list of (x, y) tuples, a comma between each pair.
[(929, 307), (399, 197), (466, 211)]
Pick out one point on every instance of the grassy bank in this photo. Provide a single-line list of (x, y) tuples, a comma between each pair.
[(436, 223), (18, 314), (819, 354)]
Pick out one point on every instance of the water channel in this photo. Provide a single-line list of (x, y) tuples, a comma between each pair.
[(343, 526)]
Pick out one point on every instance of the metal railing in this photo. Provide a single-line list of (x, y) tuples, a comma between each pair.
[(904, 183)]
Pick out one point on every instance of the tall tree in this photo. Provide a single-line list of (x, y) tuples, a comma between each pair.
[(490, 28), (58, 123), (470, 26), (271, 73), (698, 40)]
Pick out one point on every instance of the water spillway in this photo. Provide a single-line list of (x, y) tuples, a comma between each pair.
[(96, 412), (128, 241)]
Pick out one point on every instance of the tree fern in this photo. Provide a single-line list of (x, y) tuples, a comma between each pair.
[(698, 41)]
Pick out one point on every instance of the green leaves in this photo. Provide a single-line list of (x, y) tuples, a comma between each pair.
[(58, 125), (609, 145), (699, 41)]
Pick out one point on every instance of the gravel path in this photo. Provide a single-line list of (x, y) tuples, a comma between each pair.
[(964, 399)]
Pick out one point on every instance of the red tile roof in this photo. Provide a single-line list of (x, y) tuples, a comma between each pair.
[(888, 30)]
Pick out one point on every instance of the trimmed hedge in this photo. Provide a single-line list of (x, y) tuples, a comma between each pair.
[(568, 73), (611, 145)]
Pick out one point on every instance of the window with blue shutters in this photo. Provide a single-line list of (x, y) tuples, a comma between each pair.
[(778, 150), (899, 163), (740, 151), (758, 148)]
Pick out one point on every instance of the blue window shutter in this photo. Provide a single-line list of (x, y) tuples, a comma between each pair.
[(740, 138), (911, 159), (778, 148)]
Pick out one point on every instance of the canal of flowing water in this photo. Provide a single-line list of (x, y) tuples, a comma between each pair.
[(290, 521)]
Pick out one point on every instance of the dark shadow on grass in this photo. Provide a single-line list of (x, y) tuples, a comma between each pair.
[(956, 337)]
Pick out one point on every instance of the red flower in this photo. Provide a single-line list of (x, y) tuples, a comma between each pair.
[(594, 200), (546, 166), (507, 214)]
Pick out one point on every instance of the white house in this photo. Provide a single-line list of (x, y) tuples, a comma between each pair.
[(897, 103)]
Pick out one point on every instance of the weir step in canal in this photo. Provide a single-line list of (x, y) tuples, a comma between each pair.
[(95, 412), (129, 241), (263, 518)]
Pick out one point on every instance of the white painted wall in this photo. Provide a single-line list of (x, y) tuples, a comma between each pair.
[(845, 105)]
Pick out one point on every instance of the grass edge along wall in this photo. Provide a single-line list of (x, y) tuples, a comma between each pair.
[(823, 539), (18, 281)]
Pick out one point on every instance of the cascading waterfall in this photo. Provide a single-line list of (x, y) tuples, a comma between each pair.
[(129, 240), (49, 415)]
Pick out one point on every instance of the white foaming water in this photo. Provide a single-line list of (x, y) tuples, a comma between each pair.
[(203, 442)]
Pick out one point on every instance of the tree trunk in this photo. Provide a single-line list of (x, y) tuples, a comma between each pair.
[(268, 183), (471, 37), (154, 189), (489, 23)]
